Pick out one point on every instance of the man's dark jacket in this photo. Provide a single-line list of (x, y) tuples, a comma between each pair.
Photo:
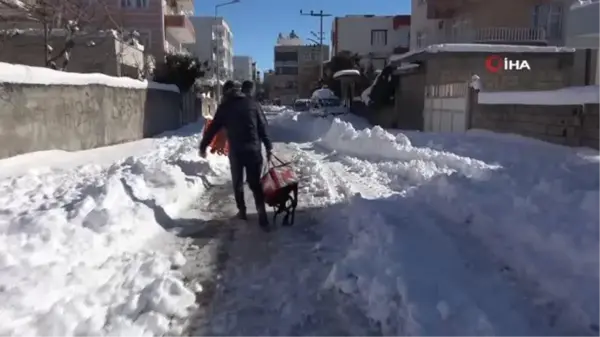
[(244, 122)]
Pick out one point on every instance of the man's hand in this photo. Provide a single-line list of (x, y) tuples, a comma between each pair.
[(202, 153), (269, 156)]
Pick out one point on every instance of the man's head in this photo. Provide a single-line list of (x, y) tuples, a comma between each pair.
[(247, 87), (231, 88)]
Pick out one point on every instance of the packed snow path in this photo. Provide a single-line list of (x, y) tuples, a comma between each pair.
[(364, 260)]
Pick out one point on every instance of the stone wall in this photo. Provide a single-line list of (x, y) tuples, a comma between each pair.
[(572, 125), (45, 117)]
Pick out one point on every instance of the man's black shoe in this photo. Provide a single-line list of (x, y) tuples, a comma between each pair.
[(241, 215), (263, 222)]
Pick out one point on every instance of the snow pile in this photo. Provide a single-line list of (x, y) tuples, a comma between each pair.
[(378, 144), (565, 96), (539, 214), (82, 248), (533, 211), (366, 94), (21, 74)]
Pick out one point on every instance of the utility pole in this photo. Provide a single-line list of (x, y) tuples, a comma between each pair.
[(320, 15)]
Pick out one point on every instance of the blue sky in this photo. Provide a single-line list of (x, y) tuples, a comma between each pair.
[(256, 23)]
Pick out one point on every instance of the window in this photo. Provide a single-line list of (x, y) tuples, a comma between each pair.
[(378, 37), (549, 17), (286, 70), (134, 3), (284, 56)]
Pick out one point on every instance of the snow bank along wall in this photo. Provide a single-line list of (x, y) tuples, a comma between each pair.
[(36, 117), (566, 124)]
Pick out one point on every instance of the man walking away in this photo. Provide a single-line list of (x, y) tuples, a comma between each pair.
[(241, 117), (248, 90)]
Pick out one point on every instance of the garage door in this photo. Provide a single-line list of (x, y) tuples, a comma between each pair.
[(445, 108)]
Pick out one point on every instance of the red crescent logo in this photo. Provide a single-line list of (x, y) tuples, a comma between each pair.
[(494, 63)]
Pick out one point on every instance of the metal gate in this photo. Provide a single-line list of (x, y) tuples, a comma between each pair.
[(445, 108)]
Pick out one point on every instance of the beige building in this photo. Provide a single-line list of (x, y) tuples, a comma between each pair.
[(521, 22), (294, 69), (537, 22)]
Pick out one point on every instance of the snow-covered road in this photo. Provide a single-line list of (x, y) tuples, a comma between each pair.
[(397, 233)]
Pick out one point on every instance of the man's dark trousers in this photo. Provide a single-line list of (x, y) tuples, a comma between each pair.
[(252, 163)]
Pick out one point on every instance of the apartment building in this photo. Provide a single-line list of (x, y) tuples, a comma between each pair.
[(213, 36), (372, 37), (163, 26), (243, 69), (533, 22), (294, 64)]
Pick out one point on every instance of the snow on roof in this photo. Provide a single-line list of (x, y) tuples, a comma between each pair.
[(481, 48), (22, 74), (346, 72), (565, 96), (407, 66)]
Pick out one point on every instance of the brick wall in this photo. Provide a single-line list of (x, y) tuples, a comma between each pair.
[(571, 125)]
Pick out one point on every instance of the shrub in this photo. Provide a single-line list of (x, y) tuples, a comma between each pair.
[(181, 70)]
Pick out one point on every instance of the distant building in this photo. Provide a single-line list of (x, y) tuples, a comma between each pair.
[(294, 69), (242, 68), (213, 36), (374, 38)]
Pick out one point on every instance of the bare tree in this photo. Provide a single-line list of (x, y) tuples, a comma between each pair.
[(70, 18)]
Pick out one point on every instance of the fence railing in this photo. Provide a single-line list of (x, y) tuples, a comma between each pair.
[(492, 35)]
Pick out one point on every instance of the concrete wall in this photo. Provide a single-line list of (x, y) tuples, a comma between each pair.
[(65, 117), (560, 124), (548, 71)]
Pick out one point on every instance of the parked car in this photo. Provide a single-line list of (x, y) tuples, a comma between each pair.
[(301, 104)]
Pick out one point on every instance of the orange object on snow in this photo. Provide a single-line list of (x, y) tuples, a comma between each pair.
[(219, 143)]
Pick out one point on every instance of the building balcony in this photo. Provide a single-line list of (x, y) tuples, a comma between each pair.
[(582, 25), (180, 28), (492, 35)]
